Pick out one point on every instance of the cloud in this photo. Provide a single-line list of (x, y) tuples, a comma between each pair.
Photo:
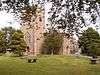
[(7, 19)]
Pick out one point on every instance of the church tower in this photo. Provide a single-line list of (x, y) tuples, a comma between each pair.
[(34, 35), (39, 30)]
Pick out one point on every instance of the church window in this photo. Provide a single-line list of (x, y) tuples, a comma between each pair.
[(67, 47), (36, 23), (38, 39), (40, 19), (28, 37), (37, 27)]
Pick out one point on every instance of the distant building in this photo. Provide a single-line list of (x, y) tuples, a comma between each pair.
[(34, 36)]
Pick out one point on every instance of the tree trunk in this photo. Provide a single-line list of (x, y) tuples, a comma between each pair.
[(52, 52)]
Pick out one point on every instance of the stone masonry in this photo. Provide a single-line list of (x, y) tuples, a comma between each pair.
[(34, 36)]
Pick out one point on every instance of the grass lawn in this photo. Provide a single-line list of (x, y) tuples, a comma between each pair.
[(48, 65)]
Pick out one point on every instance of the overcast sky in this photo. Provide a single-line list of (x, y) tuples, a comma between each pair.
[(8, 20)]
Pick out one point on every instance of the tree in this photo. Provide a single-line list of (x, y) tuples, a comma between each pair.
[(90, 42), (15, 42), (1, 41), (23, 10), (53, 42), (18, 44), (69, 14), (27, 13), (6, 42), (65, 14), (94, 48)]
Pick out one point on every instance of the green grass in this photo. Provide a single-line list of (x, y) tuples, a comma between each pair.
[(48, 65)]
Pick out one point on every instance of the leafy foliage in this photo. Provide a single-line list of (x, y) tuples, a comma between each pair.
[(53, 42), (22, 9), (18, 44), (6, 44), (27, 12), (16, 41), (65, 14), (90, 42), (69, 15), (1, 41)]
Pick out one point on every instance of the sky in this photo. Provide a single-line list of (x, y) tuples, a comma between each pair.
[(7, 19)]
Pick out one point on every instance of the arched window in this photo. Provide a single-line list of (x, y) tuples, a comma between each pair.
[(28, 37), (40, 19)]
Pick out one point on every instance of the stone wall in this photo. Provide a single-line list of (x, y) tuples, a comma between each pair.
[(34, 36)]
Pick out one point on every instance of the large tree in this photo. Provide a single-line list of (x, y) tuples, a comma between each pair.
[(69, 15), (15, 41), (89, 42), (65, 14), (18, 45), (1, 41), (6, 41), (23, 10), (52, 42)]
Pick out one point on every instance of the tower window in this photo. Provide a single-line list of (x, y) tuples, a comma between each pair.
[(40, 19), (38, 39), (36, 22)]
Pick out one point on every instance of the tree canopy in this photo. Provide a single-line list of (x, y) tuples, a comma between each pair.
[(18, 45), (90, 42), (15, 42), (66, 14), (70, 14), (1, 40), (6, 42), (21, 9), (53, 42)]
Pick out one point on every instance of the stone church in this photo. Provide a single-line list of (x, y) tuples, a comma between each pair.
[(34, 36)]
